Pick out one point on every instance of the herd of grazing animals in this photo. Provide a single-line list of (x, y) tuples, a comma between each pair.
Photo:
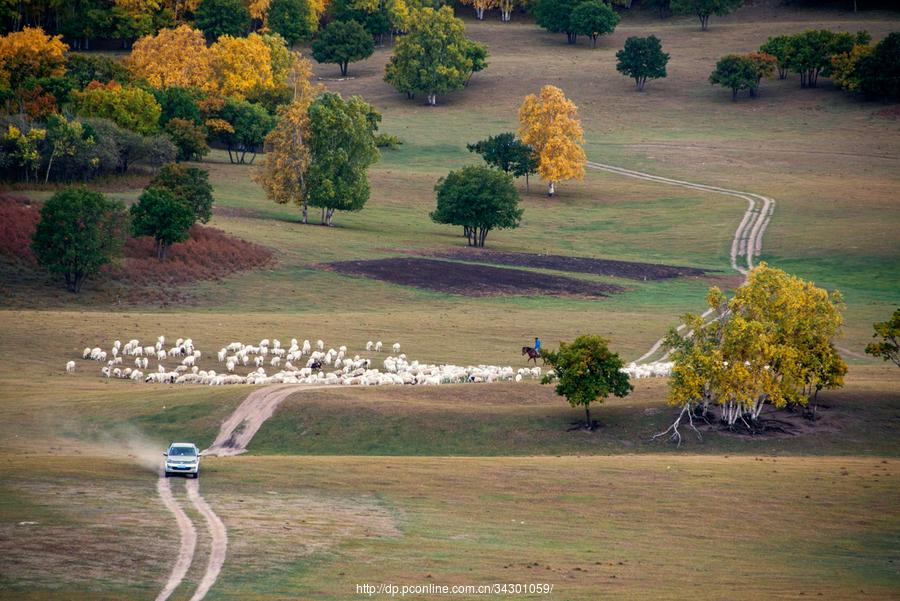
[(304, 363)]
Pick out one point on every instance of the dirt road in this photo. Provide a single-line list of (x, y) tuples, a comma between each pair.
[(240, 428), (188, 539), (746, 242), (218, 544)]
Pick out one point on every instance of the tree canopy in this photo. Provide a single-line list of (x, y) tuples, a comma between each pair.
[(79, 231), (586, 371), (250, 124), (131, 107), (507, 153), (642, 59), (888, 348), (593, 18), (879, 71), (556, 16), (222, 17), (343, 42), (736, 72), (478, 198), (173, 57), (432, 58), (162, 215), (188, 185), (549, 124), (341, 149), (292, 19)]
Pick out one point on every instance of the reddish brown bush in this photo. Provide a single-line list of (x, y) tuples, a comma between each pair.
[(18, 218), (209, 254)]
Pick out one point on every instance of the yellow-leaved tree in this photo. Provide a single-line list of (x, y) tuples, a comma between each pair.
[(241, 66), (282, 173), (771, 344), (173, 57), (549, 124), (30, 53)]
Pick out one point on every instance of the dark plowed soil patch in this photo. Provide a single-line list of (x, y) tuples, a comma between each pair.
[(622, 269), (470, 280)]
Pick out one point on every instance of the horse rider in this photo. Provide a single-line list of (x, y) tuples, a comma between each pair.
[(537, 344)]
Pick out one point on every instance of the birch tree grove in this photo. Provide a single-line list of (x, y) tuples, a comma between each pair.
[(770, 344)]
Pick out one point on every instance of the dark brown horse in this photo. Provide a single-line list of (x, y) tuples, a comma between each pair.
[(533, 355)]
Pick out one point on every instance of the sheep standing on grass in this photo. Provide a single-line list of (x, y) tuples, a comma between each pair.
[(396, 347), (70, 367)]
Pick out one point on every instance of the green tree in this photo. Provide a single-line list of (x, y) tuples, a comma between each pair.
[(432, 57), (79, 231), (82, 69), (556, 16), (507, 153), (478, 198), (342, 147), (343, 42), (177, 102), (889, 333), (593, 19), (586, 371), (809, 53), (642, 59), (704, 9), (780, 48), (216, 18), (735, 72), (188, 185), (161, 214), (130, 107), (250, 124), (291, 20), (189, 138), (879, 72)]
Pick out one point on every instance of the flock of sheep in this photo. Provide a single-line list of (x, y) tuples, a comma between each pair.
[(297, 364), (301, 364)]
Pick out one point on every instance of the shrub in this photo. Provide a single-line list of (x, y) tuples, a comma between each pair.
[(132, 108)]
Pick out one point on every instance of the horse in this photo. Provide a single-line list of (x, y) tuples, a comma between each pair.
[(533, 355)]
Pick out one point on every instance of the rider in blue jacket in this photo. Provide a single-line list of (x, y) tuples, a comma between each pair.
[(537, 344)]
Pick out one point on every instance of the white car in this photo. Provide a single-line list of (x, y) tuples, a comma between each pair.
[(182, 458)]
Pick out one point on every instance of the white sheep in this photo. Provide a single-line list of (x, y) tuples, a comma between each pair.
[(396, 347), (320, 345), (369, 345), (160, 355), (70, 367), (86, 353), (378, 346)]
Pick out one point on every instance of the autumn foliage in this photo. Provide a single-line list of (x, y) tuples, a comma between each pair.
[(549, 124)]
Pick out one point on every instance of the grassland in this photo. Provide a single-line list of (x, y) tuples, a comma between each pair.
[(476, 485)]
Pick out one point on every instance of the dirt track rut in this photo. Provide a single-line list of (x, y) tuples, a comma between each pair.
[(746, 244)]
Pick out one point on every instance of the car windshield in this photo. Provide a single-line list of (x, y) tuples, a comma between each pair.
[(181, 451)]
